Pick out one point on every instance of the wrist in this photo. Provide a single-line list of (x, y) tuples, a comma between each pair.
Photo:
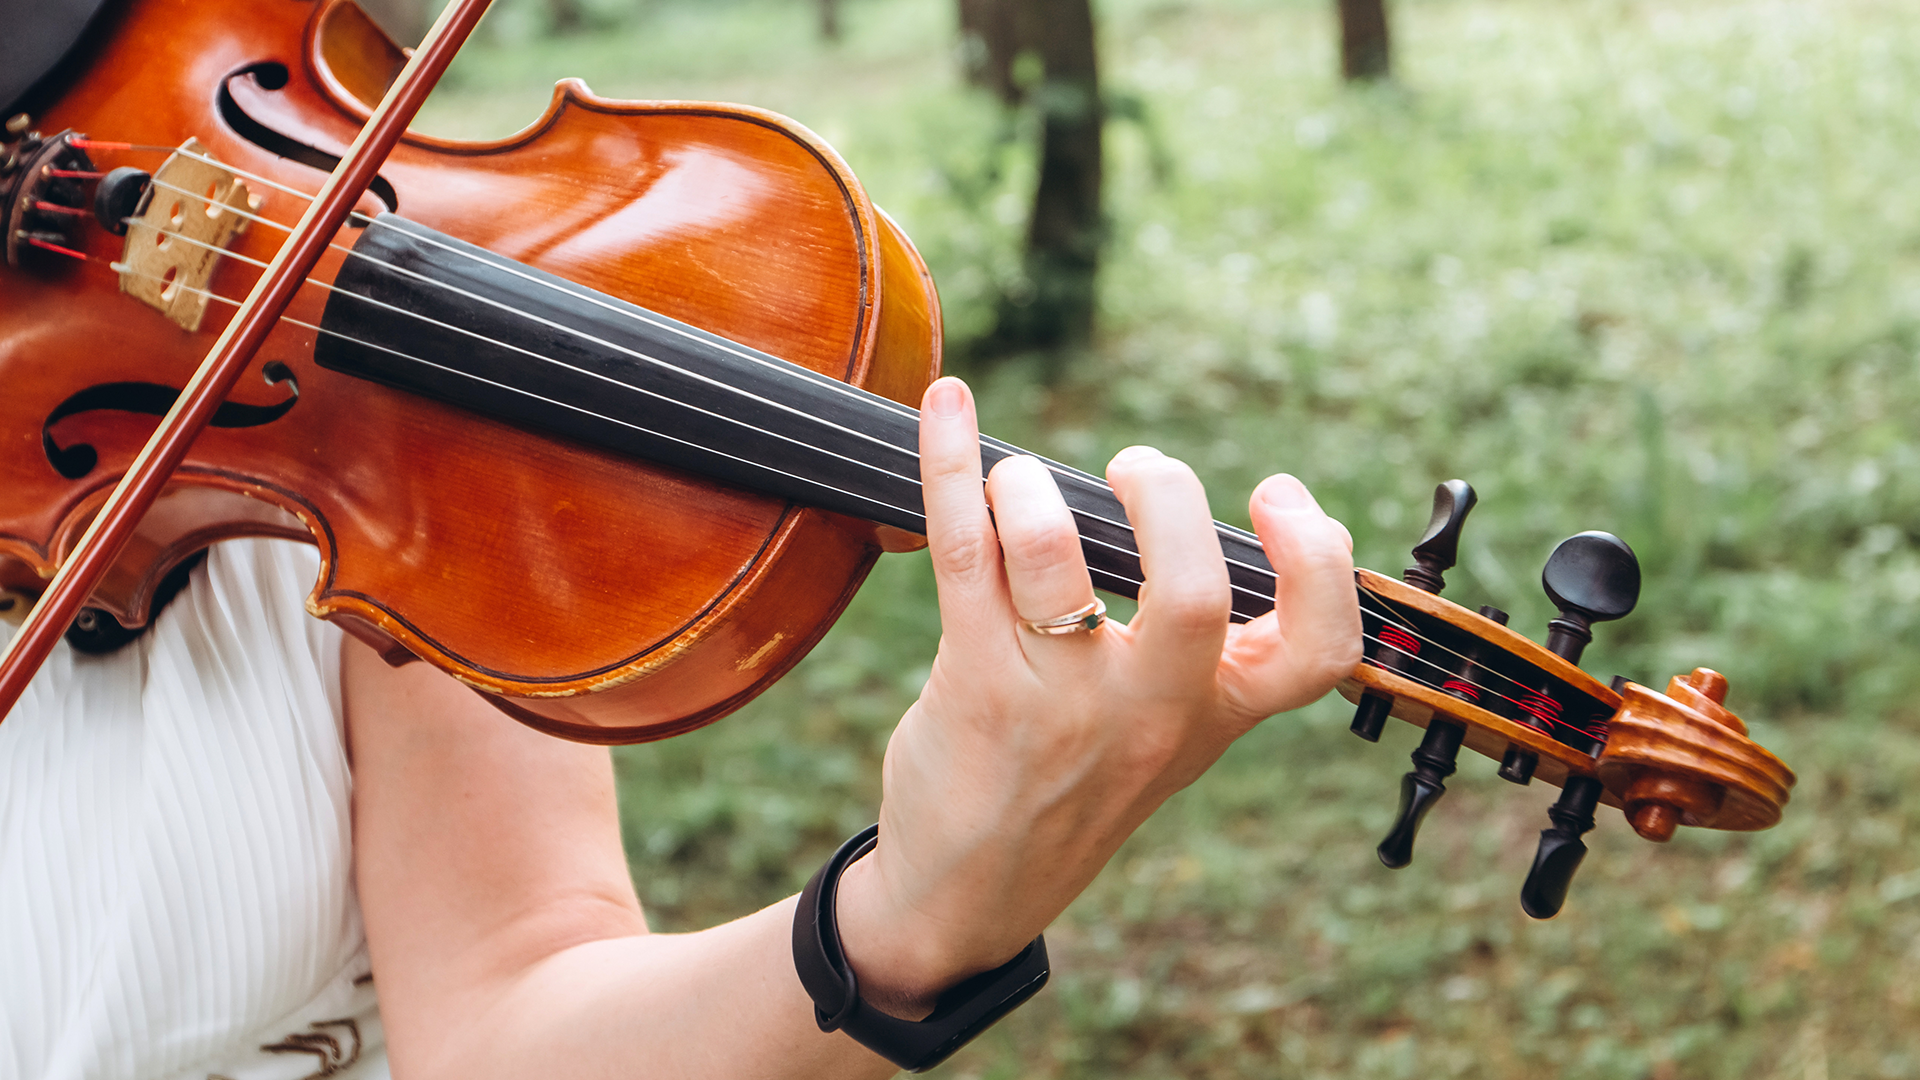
[(957, 1015), (903, 957)]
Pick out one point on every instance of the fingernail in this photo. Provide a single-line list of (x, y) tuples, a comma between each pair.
[(1283, 492), (946, 398), (1133, 452)]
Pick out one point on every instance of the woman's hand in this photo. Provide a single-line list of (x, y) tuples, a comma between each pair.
[(1028, 759)]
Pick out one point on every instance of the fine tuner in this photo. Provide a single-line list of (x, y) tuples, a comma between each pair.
[(1678, 758)]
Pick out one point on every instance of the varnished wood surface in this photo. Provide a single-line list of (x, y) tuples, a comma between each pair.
[(1681, 758), (520, 564)]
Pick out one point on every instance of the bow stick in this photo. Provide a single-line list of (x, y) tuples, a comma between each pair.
[(114, 526)]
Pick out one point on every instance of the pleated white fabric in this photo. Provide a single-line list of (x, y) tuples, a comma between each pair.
[(176, 896)]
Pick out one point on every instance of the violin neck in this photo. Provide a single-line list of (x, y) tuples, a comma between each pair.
[(423, 312)]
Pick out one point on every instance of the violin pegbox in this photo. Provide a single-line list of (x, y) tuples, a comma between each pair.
[(1470, 681)]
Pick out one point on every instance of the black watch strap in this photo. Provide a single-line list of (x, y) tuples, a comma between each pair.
[(961, 1013)]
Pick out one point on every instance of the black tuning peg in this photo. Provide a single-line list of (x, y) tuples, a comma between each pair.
[(1437, 551), (1435, 554), (1518, 763), (1439, 546), (1433, 762), (1370, 718), (1591, 577), (1560, 848)]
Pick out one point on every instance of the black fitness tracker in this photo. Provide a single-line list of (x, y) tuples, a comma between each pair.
[(962, 1012)]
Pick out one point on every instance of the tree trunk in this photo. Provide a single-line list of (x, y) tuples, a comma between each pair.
[(1067, 228), (1364, 53), (565, 16), (405, 21), (830, 19), (993, 34)]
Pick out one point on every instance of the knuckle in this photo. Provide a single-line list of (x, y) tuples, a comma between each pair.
[(1032, 545), (964, 556)]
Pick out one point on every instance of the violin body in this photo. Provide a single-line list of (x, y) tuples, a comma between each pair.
[(590, 594)]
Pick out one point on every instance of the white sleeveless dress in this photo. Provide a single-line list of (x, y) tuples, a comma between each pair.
[(176, 893)]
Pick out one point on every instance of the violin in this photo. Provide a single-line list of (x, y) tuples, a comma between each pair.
[(609, 418)]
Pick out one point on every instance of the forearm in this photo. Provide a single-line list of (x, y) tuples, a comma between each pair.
[(722, 1002), (505, 934)]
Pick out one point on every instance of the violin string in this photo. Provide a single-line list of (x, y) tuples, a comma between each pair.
[(831, 385), (1522, 708), (1469, 665), (616, 383), (97, 144), (122, 268), (749, 355), (1405, 624), (1098, 486), (408, 313), (1444, 674), (1394, 613), (817, 379), (879, 503), (716, 383), (876, 502), (1365, 594), (58, 250), (826, 382), (882, 504)]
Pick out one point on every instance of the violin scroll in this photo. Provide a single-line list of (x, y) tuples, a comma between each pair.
[(1682, 758), (1666, 760)]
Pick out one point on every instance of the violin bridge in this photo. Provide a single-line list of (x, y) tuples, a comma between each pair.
[(174, 244)]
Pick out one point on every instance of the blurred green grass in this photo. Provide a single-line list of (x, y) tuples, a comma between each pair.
[(1652, 268)]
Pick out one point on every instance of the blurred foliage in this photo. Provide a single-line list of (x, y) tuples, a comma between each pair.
[(1653, 268)]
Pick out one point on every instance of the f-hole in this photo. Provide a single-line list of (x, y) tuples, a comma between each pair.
[(271, 75), (153, 399)]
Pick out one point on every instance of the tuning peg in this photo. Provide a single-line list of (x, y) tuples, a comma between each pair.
[(1518, 763), (1560, 850), (1591, 577), (1370, 718), (1439, 546), (1433, 762), (1436, 553)]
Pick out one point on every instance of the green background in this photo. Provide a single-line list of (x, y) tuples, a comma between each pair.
[(1647, 267)]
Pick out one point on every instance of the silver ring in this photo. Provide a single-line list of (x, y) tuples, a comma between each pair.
[(1073, 622)]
